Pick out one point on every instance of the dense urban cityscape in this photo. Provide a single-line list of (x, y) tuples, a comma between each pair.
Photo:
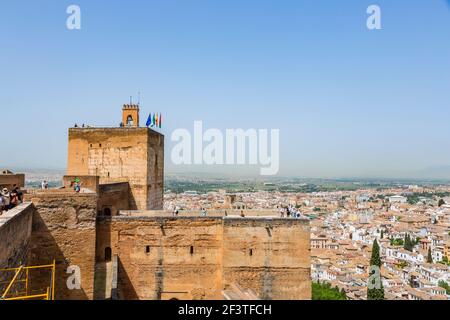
[(411, 223)]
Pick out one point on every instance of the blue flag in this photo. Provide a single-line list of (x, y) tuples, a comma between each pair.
[(149, 120)]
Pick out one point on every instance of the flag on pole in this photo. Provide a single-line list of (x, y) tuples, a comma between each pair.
[(149, 120), (160, 120), (157, 121), (153, 120)]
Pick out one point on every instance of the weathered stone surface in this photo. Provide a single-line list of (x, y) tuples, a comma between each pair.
[(134, 155), (197, 258), (15, 234), (64, 230)]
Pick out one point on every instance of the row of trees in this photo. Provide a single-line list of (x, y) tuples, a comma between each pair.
[(409, 243)]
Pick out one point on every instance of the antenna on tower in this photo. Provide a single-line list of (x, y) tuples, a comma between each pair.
[(131, 100), (139, 98)]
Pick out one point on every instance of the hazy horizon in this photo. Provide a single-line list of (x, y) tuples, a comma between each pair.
[(256, 176)]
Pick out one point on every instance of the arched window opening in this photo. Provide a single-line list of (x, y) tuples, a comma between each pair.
[(108, 254), (130, 121), (107, 212)]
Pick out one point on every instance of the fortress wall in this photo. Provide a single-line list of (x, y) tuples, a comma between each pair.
[(155, 169), (269, 256), (134, 155), (196, 213), (113, 196), (64, 230), (277, 268), (168, 270), (15, 234), (9, 180), (87, 182)]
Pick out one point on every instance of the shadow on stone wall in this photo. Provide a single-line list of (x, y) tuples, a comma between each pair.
[(43, 250), (103, 241), (125, 287)]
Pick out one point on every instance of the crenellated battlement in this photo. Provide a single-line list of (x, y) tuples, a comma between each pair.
[(130, 107)]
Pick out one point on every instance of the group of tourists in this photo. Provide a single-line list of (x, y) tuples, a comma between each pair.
[(83, 126), (10, 199), (290, 212)]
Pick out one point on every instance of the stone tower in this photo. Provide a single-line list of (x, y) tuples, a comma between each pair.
[(128, 154), (130, 115)]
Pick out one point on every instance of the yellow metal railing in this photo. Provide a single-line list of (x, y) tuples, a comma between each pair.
[(49, 293)]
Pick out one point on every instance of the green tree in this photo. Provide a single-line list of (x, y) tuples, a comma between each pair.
[(430, 256), (375, 261), (408, 243), (324, 291), (444, 285), (445, 261), (441, 202)]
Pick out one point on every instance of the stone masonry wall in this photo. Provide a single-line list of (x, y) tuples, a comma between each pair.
[(15, 234), (64, 230), (156, 260), (114, 197), (272, 257), (133, 155), (9, 180), (197, 257)]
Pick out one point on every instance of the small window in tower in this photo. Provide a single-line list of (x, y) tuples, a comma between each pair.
[(130, 121), (192, 250), (108, 254), (107, 212), (251, 252), (147, 249)]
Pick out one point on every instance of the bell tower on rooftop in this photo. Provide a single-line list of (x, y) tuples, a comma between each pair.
[(130, 115)]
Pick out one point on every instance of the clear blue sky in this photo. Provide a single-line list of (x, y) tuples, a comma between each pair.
[(348, 101)]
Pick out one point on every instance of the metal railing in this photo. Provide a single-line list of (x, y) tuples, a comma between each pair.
[(7, 294)]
